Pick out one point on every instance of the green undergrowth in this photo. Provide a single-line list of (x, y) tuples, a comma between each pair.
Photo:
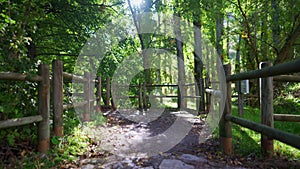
[(247, 142), (63, 150)]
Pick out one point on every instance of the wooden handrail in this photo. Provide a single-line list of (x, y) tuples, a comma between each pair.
[(20, 121), (287, 78), (282, 136), (287, 117), (70, 77), (284, 68), (19, 77)]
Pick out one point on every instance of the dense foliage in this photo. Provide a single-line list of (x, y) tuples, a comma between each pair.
[(244, 33)]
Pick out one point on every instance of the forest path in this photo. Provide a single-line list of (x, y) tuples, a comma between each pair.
[(119, 144)]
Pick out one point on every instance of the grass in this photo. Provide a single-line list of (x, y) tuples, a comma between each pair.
[(247, 141)]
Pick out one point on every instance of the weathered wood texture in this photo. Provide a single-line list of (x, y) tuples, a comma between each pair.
[(145, 96), (140, 97), (87, 109), (44, 109), (213, 92), (92, 98), (107, 103), (179, 100), (284, 68), (266, 108), (19, 77), (99, 93), (113, 98), (240, 99), (282, 136), (287, 78), (287, 117), (70, 77), (20, 121), (225, 128), (57, 69)]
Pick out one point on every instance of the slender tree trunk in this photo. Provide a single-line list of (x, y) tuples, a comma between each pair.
[(264, 34), (180, 58), (237, 70), (219, 29), (288, 46), (275, 24), (146, 62), (198, 67)]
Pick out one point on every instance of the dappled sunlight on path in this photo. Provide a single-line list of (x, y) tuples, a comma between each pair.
[(125, 142)]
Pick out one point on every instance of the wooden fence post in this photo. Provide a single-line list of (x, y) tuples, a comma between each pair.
[(179, 101), (225, 129), (113, 102), (240, 98), (92, 93), (57, 69), (99, 93), (107, 91), (266, 107), (145, 96), (207, 78), (140, 97), (44, 108), (201, 93), (207, 95), (87, 109)]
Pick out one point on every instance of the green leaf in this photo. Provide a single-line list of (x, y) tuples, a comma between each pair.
[(55, 140)]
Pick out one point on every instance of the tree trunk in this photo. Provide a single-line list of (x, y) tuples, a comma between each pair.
[(219, 30), (198, 67), (180, 58), (146, 62), (275, 24)]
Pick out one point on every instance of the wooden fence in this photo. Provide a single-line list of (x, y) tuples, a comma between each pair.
[(43, 105), (266, 128), (44, 83), (143, 96)]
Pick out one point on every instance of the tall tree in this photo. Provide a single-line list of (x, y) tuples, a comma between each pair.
[(198, 54), (144, 39), (180, 54), (219, 28)]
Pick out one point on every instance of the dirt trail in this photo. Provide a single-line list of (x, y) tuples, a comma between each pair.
[(121, 145)]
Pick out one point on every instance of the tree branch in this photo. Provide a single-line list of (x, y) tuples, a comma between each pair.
[(136, 25), (250, 40), (291, 39)]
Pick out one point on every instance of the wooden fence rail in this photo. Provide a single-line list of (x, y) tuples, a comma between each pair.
[(142, 95), (267, 117), (19, 77), (70, 77), (287, 78), (20, 121), (287, 117), (282, 136), (284, 68), (43, 105)]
